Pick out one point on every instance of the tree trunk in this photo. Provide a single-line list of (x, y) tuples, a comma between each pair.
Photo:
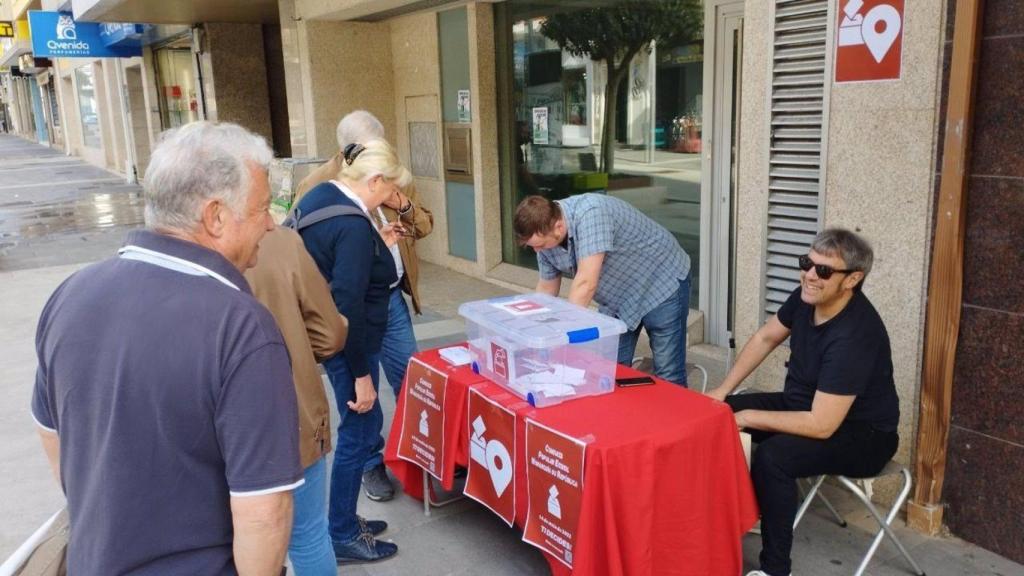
[(611, 103)]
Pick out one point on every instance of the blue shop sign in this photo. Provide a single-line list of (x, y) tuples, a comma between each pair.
[(117, 34), (57, 35)]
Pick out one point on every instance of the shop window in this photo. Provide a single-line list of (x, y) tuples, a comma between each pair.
[(176, 87), (559, 136), (88, 107)]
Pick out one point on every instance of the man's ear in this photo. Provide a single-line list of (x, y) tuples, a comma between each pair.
[(853, 279), (559, 228), (214, 216)]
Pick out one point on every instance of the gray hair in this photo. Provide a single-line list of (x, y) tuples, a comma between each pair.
[(359, 127), (850, 246), (197, 162)]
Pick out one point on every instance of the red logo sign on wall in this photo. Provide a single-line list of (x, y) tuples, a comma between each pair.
[(869, 40), (554, 489), (492, 446), (422, 440)]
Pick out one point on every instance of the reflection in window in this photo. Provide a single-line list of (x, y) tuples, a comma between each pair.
[(176, 88), (87, 107), (553, 101)]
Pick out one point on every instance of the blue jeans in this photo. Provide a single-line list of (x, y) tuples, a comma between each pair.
[(357, 436), (666, 328), (310, 547), (399, 345)]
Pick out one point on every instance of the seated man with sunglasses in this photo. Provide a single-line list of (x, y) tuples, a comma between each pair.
[(838, 411)]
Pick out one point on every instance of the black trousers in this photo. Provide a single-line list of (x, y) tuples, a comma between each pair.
[(855, 450)]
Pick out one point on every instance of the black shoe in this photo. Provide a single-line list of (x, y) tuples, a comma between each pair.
[(363, 548), (374, 527), (377, 485)]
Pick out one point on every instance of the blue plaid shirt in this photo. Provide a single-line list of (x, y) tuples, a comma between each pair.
[(643, 262)]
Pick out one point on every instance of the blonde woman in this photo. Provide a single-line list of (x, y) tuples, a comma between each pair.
[(357, 263)]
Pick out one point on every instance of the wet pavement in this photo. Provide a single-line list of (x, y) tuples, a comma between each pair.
[(57, 210)]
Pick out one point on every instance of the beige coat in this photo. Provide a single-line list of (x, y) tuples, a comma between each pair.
[(419, 220), (288, 283)]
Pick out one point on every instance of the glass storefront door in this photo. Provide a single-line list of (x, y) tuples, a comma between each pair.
[(564, 132), (51, 105), (178, 90), (88, 106)]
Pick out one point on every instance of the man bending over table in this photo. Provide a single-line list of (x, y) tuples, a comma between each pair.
[(838, 411)]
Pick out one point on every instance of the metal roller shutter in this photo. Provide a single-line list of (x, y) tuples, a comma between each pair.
[(799, 78)]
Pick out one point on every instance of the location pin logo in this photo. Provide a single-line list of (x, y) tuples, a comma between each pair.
[(499, 464), (879, 42)]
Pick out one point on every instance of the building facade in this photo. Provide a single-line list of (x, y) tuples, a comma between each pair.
[(742, 126)]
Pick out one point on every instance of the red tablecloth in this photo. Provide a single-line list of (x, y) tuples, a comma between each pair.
[(666, 488)]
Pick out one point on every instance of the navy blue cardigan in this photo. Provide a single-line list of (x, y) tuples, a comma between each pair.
[(360, 270)]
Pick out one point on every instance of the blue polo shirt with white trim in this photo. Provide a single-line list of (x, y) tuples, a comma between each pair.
[(170, 389)]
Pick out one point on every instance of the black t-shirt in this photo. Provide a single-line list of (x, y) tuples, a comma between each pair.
[(847, 355)]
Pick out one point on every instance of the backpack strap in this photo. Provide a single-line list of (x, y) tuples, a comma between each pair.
[(296, 220)]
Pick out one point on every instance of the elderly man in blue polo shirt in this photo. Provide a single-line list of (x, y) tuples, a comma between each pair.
[(618, 257), (163, 393)]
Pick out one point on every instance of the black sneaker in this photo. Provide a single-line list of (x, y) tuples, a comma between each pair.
[(363, 548), (377, 485), (374, 527)]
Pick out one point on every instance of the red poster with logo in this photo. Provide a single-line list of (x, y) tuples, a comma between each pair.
[(554, 487), (869, 40), (422, 441), (490, 478)]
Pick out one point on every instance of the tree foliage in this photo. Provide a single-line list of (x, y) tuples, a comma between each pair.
[(615, 34)]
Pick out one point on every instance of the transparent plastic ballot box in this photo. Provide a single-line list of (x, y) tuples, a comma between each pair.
[(543, 348)]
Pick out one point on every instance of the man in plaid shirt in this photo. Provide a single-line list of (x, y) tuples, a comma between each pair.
[(618, 257)]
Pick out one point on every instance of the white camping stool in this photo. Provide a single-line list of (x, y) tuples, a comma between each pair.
[(884, 522)]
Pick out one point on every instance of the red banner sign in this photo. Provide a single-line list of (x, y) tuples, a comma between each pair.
[(490, 477), (422, 441), (554, 486), (869, 40)]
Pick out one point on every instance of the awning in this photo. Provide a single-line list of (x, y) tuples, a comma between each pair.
[(177, 12), (14, 51)]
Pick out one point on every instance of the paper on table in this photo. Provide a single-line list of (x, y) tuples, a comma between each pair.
[(553, 390), (456, 355), (558, 374)]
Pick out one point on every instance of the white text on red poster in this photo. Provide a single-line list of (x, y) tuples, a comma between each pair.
[(423, 433), (554, 477)]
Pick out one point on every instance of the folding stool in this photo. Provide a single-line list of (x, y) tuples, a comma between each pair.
[(884, 522)]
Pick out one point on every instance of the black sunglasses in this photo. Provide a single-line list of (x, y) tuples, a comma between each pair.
[(824, 271), (351, 152)]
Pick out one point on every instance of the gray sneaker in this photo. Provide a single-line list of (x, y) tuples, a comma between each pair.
[(377, 485)]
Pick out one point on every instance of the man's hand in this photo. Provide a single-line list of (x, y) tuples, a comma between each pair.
[(741, 419), (719, 393), (397, 201), (550, 287), (365, 395), (392, 233), (262, 525)]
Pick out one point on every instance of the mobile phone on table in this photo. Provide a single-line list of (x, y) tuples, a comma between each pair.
[(636, 381)]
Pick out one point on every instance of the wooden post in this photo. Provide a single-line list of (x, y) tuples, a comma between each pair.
[(945, 284)]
